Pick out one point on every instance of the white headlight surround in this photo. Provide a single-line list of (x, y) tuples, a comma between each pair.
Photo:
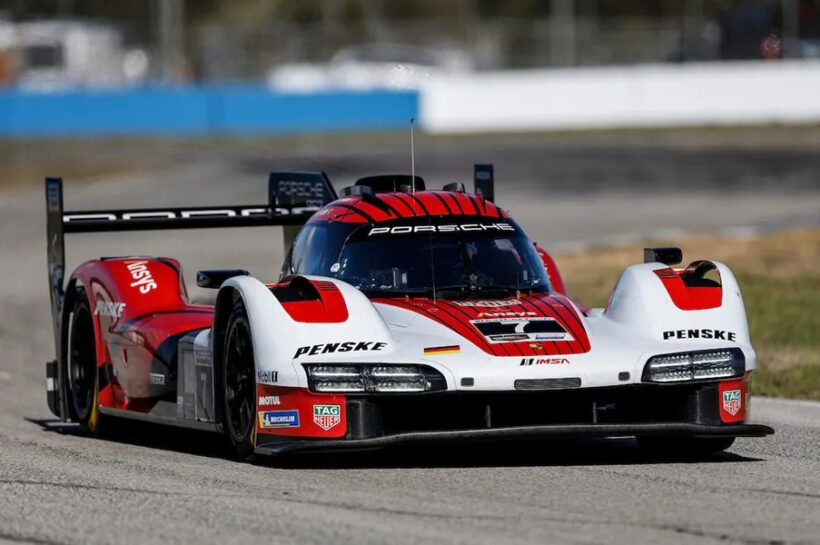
[(699, 365)]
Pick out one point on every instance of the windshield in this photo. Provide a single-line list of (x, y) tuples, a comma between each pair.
[(451, 259)]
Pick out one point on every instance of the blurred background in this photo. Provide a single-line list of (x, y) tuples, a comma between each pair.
[(259, 65), (309, 44)]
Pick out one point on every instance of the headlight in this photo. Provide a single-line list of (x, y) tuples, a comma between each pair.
[(700, 365), (370, 378)]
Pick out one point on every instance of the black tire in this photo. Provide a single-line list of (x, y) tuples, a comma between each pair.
[(685, 446), (238, 373), (82, 377)]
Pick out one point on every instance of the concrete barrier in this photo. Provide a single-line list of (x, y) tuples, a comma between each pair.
[(200, 111), (638, 96)]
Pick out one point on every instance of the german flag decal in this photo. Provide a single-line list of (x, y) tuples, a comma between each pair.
[(438, 350)]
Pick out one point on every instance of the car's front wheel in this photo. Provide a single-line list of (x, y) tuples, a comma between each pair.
[(82, 376), (239, 384)]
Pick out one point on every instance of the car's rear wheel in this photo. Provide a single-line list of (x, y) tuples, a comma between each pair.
[(82, 376), (684, 445), (239, 385)]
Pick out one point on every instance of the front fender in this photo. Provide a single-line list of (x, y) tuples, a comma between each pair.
[(280, 342), (642, 303)]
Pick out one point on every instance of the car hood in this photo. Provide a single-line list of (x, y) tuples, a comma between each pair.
[(528, 325)]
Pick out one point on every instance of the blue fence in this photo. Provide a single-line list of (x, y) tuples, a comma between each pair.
[(200, 111)]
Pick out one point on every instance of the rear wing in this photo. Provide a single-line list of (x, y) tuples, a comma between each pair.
[(293, 196)]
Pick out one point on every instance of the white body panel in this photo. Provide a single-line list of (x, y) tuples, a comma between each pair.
[(622, 337)]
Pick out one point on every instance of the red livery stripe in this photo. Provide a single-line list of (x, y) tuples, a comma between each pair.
[(689, 298)]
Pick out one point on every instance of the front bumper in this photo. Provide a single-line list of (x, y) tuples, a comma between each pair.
[(374, 421)]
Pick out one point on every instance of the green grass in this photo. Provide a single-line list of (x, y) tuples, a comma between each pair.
[(779, 276)]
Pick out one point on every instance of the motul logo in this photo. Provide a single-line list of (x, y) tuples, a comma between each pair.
[(543, 361), (265, 401)]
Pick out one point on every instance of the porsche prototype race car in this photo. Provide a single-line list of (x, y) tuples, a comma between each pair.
[(401, 314)]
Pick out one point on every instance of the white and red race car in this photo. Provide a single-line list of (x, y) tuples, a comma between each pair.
[(401, 315)]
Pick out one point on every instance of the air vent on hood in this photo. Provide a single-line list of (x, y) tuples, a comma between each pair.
[(547, 383)]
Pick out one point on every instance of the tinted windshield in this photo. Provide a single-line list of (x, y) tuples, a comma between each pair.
[(457, 259)]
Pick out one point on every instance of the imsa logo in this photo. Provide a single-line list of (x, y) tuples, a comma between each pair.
[(327, 416), (731, 401), (544, 361)]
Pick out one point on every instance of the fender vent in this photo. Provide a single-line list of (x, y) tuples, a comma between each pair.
[(547, 383), (295, 288), (323, 285)]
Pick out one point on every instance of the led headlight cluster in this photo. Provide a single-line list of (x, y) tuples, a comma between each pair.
[(700, 365), (369, 378)]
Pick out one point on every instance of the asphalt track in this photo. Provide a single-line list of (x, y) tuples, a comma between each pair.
[(155, 485)]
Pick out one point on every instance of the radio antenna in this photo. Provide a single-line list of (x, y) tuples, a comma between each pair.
[(413, 188), (412, 156)]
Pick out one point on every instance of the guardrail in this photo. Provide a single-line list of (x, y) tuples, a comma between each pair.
[(200, 111)]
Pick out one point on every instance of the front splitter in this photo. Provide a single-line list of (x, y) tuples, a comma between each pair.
[(520, 432)]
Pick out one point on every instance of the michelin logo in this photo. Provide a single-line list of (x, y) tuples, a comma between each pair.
[(279, 419)]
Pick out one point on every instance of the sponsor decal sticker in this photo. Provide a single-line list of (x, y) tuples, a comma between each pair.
[(716, 334), (141, 275), (112, 309), (488, 304), (156, 378), (266, 401), (508, 337), (522, 329), (439, 350), (202, 357), (267, 376), (327, 416), (454, 228), (544, 361), (508, 314), (330, 348), (279, 419), (732, 401)]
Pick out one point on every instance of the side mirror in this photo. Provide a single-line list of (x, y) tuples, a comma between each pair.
[(213, 279), (668, 255)]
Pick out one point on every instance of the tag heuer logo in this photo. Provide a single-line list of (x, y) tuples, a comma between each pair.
[(327, 416), (731, 401)]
